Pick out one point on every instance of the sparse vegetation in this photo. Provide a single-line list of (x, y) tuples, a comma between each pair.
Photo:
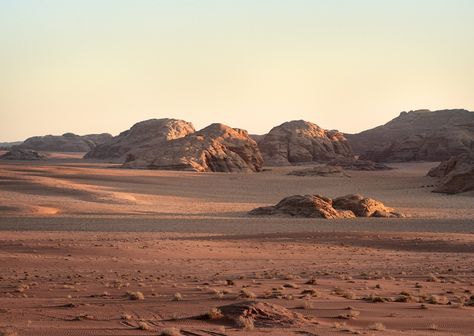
[(438, 299), (246, 323), (247, 294), (213, 314), (135, 295), (170, 332), (375, 298), (125, 316), (8, 332), (142, 325), (377, 326)]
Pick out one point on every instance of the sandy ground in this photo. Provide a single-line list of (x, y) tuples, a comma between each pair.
[(79, 239)]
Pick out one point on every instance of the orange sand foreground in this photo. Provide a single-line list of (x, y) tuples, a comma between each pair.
[(89, 249)]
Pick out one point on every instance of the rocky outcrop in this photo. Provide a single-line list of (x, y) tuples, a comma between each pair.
[(68, 142), (354, 164), (323, 171), (262, 315), (301, 141), (216, 148), (362, 206), (316, 206), (22, 154), (417, 135), (456, 174), (145, 134)]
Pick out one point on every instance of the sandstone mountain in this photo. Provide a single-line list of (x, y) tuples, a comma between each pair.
[(7, 145), (142, 135), (216, 148), (456, 174), (300, 141), (68, 142), (417, 135), (316, 206), (22, 154)]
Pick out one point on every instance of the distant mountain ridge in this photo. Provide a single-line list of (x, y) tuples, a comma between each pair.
[(417, 135), (68, 142)]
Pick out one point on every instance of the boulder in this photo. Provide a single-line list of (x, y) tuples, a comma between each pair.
[(216, 148), (300, 141), (363, 207), (323, 171), (145, 134), (262, 315), (420, 135), (316, 206), (456, 174), (312, 206), (68, 142), (22, 154)]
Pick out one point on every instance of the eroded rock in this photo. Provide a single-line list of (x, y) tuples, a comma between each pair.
[(145, 134), (301, 141), (262, 315), (316, 206), (23, 154), (456, 174), (216, 148)]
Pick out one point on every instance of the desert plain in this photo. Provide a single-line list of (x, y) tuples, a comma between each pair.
[(88, 248)]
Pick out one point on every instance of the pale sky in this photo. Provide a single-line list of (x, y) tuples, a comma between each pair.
[(91, 66)]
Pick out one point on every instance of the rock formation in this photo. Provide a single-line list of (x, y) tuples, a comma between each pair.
[(67, 142), (316, 206), (417, 135), (301, 141), (362, 206), (354, 164), (216, 148), (262, 315), (456, 174), (323, 171), (145, 134), (22, 154)]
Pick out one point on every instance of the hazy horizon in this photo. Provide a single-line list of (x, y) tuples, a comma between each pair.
[(92, 67)]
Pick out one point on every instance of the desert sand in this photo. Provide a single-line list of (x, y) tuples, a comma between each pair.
[(87, 248)]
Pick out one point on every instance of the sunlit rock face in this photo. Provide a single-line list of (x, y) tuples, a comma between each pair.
[(145, 134), (317, 206), (300, 141), (216, 148)]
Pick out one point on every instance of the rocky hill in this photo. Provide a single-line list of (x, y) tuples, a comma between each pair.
[(68, 142), (142, 135), (301, 141), (417, 135), (216, 148)]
